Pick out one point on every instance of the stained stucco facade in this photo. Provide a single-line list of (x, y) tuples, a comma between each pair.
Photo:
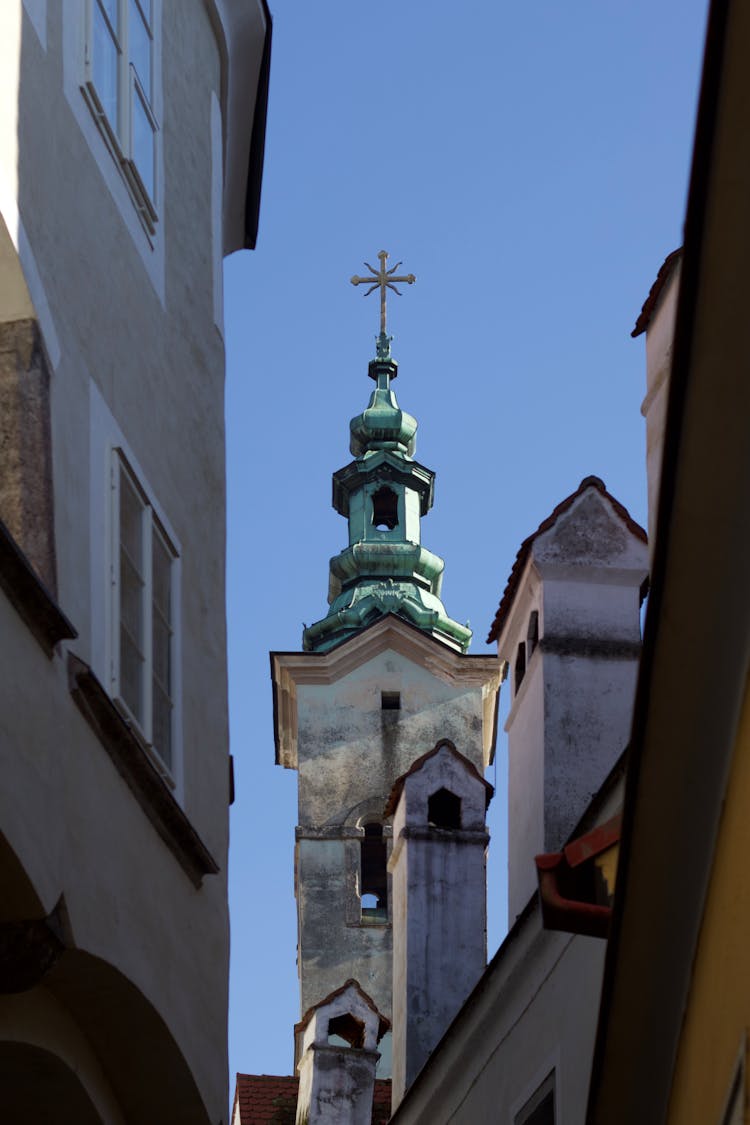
[(349, 751)]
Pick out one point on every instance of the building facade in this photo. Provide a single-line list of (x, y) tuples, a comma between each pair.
[(131, 145)]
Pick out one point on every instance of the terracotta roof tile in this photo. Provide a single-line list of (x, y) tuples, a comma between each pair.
[(523, 551), (267, 1099), (649, 305)]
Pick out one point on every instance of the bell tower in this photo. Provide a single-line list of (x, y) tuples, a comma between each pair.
[(381, 678)]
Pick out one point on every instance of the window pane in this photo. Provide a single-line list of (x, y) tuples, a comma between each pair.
[(139, 44), (105, 60), (162, 641), (162, 724), (147, 7), (131, 600), (110, 7), (162, 576), (131, 594), (131, 522), (143, 144), (131, 679)]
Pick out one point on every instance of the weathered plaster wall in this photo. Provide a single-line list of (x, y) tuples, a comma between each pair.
[(588, 711), (336, 1080), (533, 1012), (350, 753), (440, 912), (536, 1013), (351, 750), (526, 741)]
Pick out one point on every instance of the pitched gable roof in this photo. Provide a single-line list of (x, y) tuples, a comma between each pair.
[(350, 983), (649, 305), (444, 743), (525, 549)]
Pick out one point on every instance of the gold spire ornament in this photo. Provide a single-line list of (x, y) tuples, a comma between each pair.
[(383, 279)]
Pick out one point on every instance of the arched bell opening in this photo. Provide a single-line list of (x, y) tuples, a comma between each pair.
[(384, 509), (373, 881)]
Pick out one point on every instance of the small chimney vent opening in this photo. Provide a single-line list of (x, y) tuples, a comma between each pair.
[(347, 1029), (444, 810)]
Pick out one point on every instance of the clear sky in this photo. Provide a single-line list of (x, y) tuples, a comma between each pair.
[(529, 163)]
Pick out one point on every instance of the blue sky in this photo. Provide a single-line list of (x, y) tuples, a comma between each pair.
[(529, 163)]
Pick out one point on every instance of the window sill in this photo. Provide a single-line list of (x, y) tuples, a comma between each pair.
[(30, 597), (120, 740), (138, 194)]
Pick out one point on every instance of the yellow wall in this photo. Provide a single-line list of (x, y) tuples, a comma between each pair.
[(718, 1011)]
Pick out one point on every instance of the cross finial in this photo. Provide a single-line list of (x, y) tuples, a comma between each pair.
[(383, 279)]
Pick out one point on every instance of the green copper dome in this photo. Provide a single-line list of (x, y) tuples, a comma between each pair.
[(383, 425), (383, 494)]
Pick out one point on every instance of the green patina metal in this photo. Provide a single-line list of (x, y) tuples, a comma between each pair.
[(383, 494)]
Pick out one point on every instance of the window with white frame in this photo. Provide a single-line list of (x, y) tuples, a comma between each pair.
[(119, 81), (144, 612)]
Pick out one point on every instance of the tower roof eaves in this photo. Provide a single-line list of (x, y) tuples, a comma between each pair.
[(524, 551), (290, 669)]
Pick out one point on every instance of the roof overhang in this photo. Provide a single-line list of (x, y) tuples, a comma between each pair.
[(576, 885), (289, 670), (243, 32), (696, 650)]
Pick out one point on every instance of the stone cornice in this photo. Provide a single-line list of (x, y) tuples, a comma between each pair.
[(390, 633)]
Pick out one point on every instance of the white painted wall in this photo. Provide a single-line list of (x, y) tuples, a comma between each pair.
[(134, 327), (570, 719), (440, 911)]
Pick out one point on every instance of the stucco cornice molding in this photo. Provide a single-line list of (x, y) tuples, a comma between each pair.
[(292, 669)]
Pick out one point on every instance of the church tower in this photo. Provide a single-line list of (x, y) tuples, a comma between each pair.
[(381, 679)]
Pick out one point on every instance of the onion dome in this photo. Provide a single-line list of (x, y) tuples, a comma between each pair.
[(383, 425)]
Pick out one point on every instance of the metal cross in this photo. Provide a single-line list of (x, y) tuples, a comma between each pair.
[(383, 279)]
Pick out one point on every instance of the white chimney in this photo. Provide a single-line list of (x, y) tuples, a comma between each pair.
[(439, 901), (339, 1055), (568, 628)]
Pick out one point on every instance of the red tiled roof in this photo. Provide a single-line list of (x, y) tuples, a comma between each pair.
[(649, 304), (398, 785), (266, 1099), (523, 551)]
